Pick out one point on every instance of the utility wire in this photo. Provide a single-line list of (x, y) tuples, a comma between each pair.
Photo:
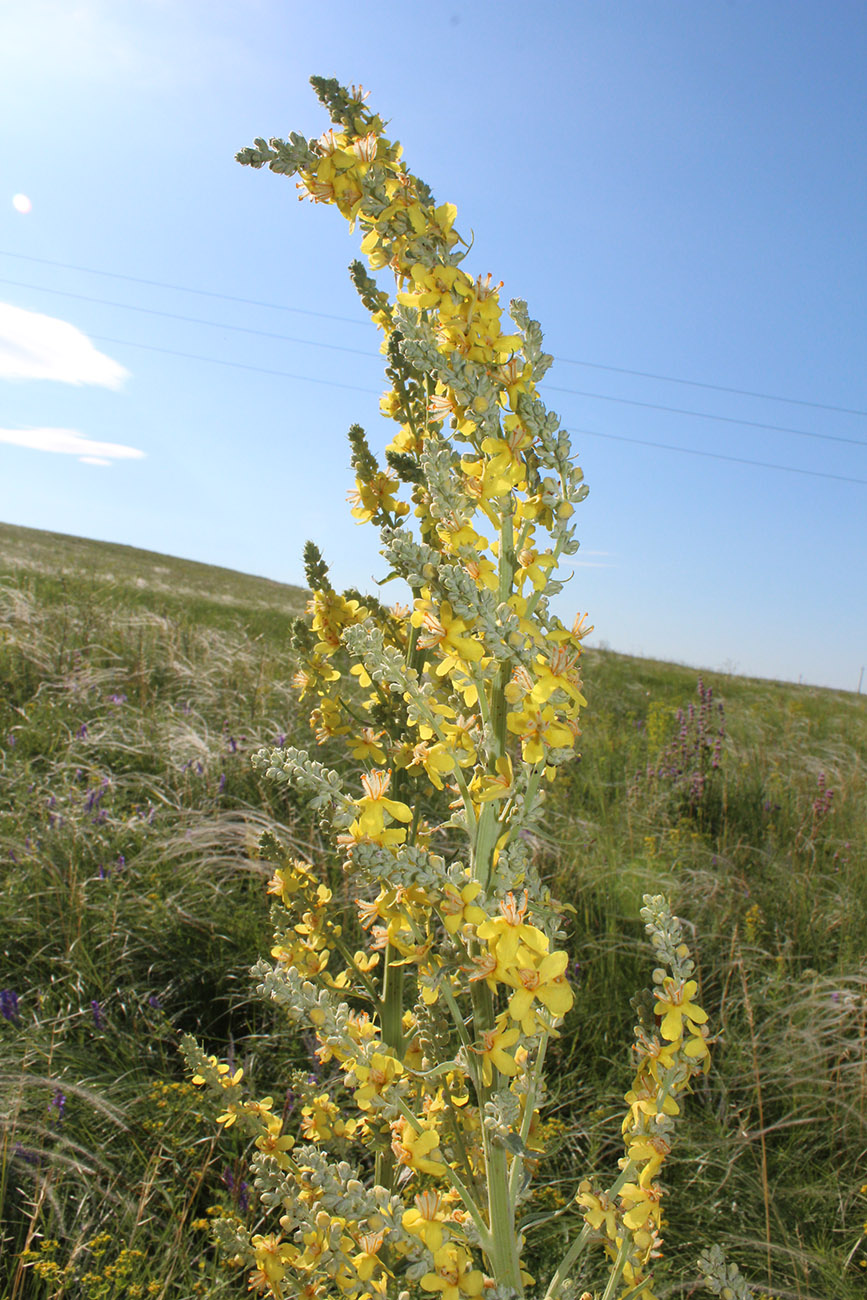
[(715, 455), (203, 293), (716, 388), (234, 365), (189, 320), (362, 352), (705, 415), (357, 388), (349, 320)]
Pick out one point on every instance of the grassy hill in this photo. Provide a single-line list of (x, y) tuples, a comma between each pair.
[(134, 686)]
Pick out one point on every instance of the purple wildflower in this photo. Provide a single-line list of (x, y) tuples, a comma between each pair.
[(96, 1012), (9, 1005), (29, 1157), (56, 1108)]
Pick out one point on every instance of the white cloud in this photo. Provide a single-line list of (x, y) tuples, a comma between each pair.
[(68, 442), (33, 346)]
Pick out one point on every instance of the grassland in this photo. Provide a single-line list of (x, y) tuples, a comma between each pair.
[(133, 688)]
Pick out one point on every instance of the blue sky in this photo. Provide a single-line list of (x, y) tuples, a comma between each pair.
[(676, 187)]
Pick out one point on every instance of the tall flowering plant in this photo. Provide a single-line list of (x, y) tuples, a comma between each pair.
[(435, 1000)]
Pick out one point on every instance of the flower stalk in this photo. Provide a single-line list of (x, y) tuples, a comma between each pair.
[(456, 712)]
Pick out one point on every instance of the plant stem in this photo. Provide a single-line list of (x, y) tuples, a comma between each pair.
[(503, 1253), (563, 1268), (529, 1110)]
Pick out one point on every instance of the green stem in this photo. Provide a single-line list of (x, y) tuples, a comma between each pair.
[(488, 828), (563, 1268), (527, 1121), (452, 1005), (456, 1182), (391, 1018), (393, 979), (503, 1254), (616, 1271), (362, 976)]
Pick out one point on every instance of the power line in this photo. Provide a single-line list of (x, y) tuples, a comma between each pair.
[(361, 352), (234, 365), (348, 320), (329, 383), (183, 288), (189, 320), (715, 455), (716, 388), (705, 415)]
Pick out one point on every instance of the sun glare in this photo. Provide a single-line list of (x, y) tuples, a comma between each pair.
[(21, 203)]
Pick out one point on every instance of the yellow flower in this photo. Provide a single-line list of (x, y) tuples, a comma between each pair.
[(543, 982), (506, 932), (366, 1260), (498, 786), (366, 747), (426, 1219), (454, 1274), (643, 1100), (415, 1148), (559, 672), (322, 1119), (375, 1078), (315, 670), (599, 1211), (539, 729), (444, 632), (676, 1006), (376, 497), (493, 1050), (534, 566), (457, 909), (272, 1144), (332, 613), (640, 1204), (649, 1151), (506, 464), (272, 1256), (374, 806), (437, 760)]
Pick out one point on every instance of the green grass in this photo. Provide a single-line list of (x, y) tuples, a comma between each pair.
[(133, 688)]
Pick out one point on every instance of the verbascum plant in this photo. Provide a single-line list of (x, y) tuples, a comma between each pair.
[(434, 996)]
